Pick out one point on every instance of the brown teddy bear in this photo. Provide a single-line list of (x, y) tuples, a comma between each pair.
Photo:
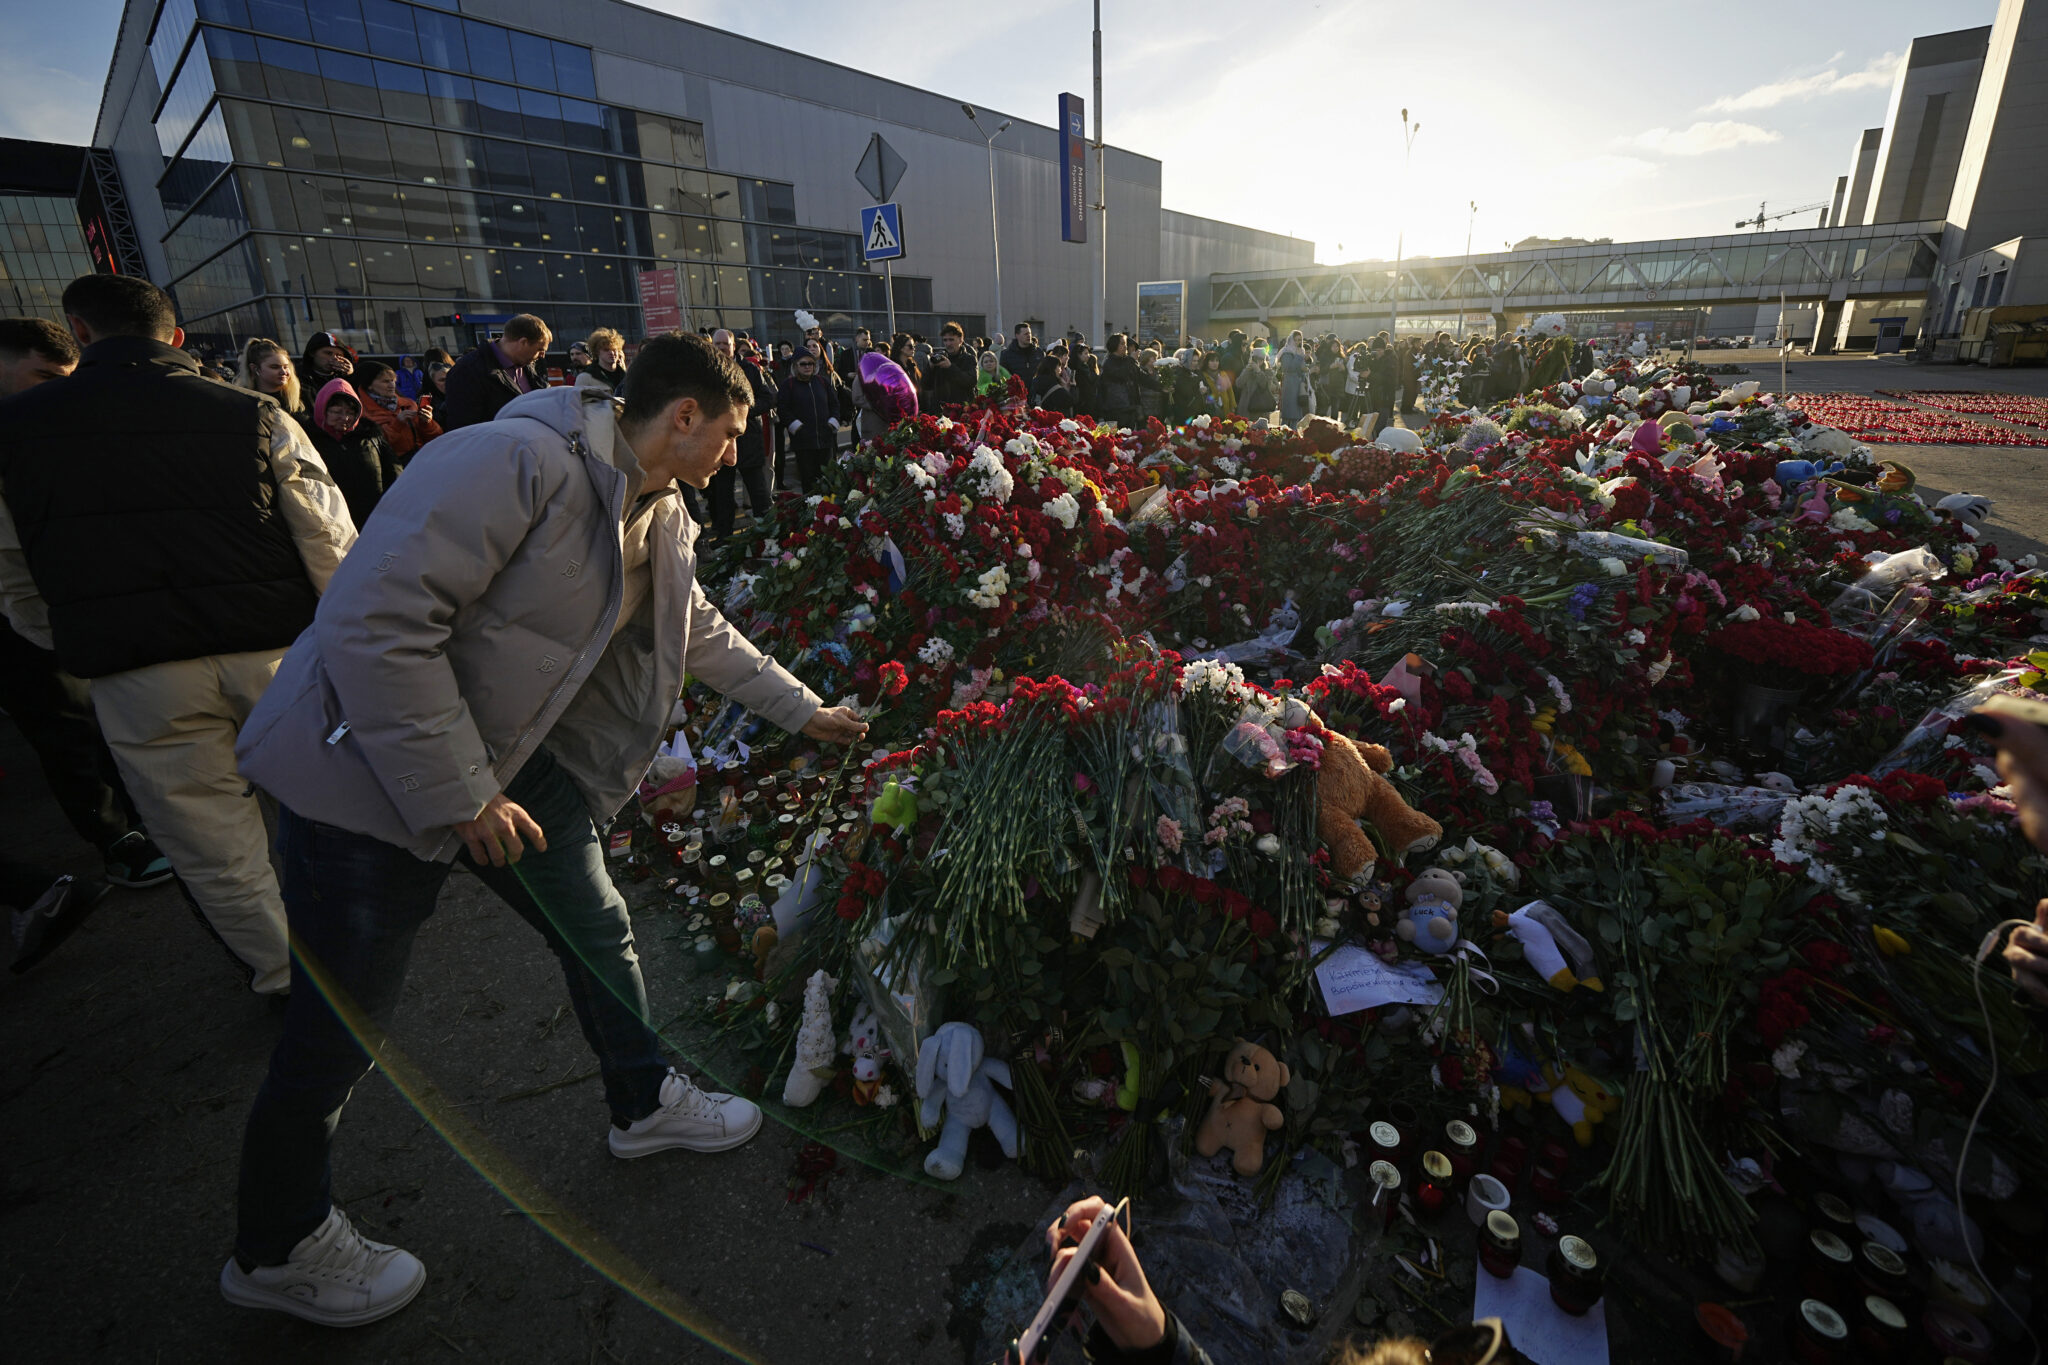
[(1243, 1111), (1350, 787)]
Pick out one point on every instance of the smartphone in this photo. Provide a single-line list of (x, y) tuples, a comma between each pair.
[(1035, 1344)]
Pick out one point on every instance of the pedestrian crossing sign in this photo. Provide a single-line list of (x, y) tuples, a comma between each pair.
[(881, 232)]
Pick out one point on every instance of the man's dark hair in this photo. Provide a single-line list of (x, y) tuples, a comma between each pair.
[(121, 306), (527, 327), (1119, 342), (368, 373), (1020, 328), (953, 329), (19, 336), (675, 366)]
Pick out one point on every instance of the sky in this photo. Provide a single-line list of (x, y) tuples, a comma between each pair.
[(1674, 123)]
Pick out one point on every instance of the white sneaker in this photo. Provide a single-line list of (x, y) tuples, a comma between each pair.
[(693, 1119), (336, 1277)]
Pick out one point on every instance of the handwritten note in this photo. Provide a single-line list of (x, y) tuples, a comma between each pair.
[(1539, 1329), (1353, 979)]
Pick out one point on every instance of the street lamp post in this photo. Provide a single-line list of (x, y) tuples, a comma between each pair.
[(1468, 261), (1408, 132), (994, 237)]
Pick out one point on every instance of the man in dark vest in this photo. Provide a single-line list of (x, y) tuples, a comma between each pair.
[(173, 534), (495, 373)]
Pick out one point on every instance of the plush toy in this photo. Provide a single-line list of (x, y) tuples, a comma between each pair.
[(1577, 1098), (1431, 921), (864, 1043), (1398, 439), (815, 1045), (1349, 787), (1971, 509), (1547, 939), (955, 1055), (1243, 1112)]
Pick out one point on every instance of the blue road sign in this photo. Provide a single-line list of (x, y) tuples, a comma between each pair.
[(881, 232)]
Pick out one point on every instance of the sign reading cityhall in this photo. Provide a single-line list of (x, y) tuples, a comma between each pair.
[(1073, 169)]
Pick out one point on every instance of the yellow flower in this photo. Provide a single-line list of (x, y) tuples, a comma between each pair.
[(1574, 761), (1889, 943)]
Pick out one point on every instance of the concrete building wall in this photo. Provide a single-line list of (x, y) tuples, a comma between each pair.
[(1999, 192), (125, 128), (1192, 248), (1924, 132), (785, 115), (1862, 168)]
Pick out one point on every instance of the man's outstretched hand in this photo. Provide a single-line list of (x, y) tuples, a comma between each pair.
[(836, 725), (493, 837)]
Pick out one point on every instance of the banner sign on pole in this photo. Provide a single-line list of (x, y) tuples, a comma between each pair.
[(661, 307), (1073, 169), (881, 232)]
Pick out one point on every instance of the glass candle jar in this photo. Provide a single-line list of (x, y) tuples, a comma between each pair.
[(1834, 1214), (1433, 1190), (1819, 1336), (1830, 1267), (1386, 1193), (1881, 1271), (1576, 1276), (1461, 1145), (1880, 1332), (1383, 1143), (1500, 1245)]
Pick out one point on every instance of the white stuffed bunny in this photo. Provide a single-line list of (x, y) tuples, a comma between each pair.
[(956, 1056)]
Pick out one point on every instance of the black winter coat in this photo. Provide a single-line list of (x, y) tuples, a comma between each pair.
[(814, 404), (478, 387), (360, 462)]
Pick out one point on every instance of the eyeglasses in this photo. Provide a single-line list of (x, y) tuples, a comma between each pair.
[(1484, 1342)]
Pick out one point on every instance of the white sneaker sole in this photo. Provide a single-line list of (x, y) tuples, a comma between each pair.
[(238, 1291), (627, 1145)]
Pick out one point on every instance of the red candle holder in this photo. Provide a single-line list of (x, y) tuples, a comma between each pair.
[(1433, 1191)]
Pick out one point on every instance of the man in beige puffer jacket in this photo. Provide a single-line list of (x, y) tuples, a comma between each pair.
[(492, 668)]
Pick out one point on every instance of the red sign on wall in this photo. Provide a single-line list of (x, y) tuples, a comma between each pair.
[(661, 302)]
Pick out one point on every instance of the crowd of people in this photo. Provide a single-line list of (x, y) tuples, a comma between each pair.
[(441, 609)]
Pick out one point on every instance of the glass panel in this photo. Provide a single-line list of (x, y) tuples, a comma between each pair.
[(629, 182), (167, 43), (205, 157), (251, 133), (378, 210), (573, 73), (526, 277), (426, 215), (234, 12), (458, 160), (441, 41), (607, 280), (556, 223), (285, 18), (490, 50), (404, 89), (322, 206), (351, 83), (597, 229), (565, 280), (217, 221), (362, 146), (308, 139), (335, 266), (543, 115), (550, 172), (267, 196), (453, 99), (235, 64), (583, 124), (292, 71), (184, 107), (439, 271), (591, 177), (391, 31), (415, 154), (498, 109), (533, 60), (387, 266), (505, 167), (338, 23)]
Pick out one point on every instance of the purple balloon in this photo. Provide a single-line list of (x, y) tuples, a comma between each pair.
[(889, 390)]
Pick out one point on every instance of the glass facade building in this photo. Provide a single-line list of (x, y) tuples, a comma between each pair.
[(408, 176), (41, 250)]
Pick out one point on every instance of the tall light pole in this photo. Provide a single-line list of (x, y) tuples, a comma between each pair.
[(1474, 217), (995, 239), (1101, 194), (1408, 132)]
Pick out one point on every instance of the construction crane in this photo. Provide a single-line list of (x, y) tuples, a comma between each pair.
[(1762, 217)]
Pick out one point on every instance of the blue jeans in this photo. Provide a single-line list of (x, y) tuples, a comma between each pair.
[(354, 904)]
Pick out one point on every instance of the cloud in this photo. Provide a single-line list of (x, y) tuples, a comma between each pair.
[(45, 103), (1875, 76), (1700, 138), (1609, 166)]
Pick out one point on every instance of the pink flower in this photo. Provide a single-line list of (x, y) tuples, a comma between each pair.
[(1168, 833), (1083, 784)]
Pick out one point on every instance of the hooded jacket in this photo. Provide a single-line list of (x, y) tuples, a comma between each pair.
[(359, 459), (478, 617), (404, 425), (411, 382), (309, 375)]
